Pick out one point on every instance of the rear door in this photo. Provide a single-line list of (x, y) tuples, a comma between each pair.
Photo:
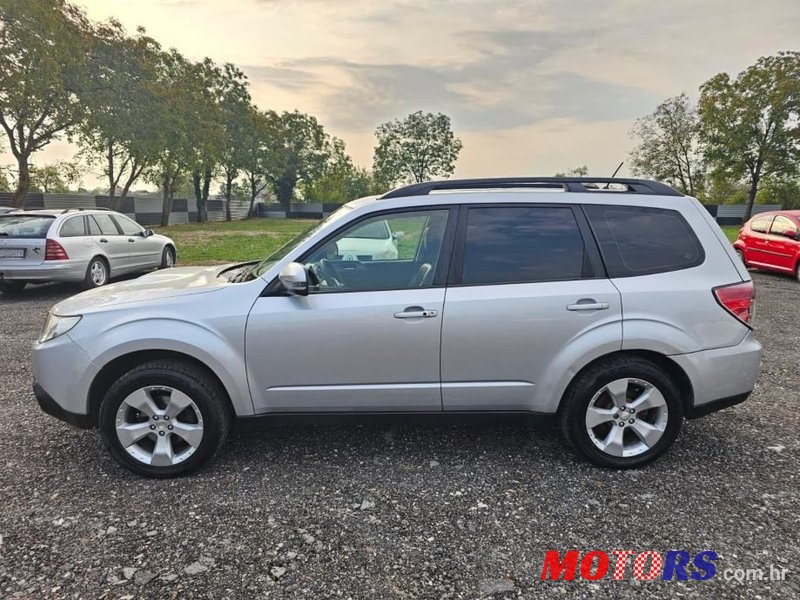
[(525, 290), (73, 235), (783, 246), (109, 238), (22, 239)]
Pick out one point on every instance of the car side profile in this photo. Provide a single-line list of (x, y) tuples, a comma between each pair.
[(771, 241), (543, 296), (79, 245)]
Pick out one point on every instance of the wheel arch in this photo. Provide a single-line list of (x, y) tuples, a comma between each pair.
[(120, 365)]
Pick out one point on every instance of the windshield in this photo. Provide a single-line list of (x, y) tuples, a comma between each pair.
[(265, 264), (24, 226)]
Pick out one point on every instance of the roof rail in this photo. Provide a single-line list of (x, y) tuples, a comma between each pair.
[(568, 184), (82, 208)]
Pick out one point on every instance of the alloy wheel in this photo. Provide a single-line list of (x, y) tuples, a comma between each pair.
[(626, 417), (159, 426), (98, 272)]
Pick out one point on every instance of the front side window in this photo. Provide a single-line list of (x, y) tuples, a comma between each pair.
[(636, 240), (127, 226), (761, 224), (387, 252), (522, 245), (73, 227), (783, 226)]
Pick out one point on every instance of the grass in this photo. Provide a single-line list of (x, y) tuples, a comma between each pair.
[(255, 239), (236, 241)]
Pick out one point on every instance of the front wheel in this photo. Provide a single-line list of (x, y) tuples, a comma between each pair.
[(167, 258), (622, 413), (164, 419)]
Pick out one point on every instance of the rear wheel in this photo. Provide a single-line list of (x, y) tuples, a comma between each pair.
[(797, 272), (622, 413), (96, 273), (168, 258), (164, 419), (12, 287)]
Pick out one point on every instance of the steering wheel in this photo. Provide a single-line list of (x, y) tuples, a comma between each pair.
[(326, 272)]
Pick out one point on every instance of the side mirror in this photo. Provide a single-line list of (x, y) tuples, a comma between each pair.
[(397, 235), (294, 279), (148, 232)]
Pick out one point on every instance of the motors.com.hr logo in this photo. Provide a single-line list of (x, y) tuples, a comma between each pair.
[(645, 566)]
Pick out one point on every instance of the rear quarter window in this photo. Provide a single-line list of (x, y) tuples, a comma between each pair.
[(642, 241), (24, 226)]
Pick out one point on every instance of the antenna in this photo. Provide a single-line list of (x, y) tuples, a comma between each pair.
[(614, 174)]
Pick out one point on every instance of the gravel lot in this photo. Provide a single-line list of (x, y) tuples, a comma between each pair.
[(403, 511)]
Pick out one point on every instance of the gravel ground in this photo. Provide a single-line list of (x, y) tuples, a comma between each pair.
[(395, 511)]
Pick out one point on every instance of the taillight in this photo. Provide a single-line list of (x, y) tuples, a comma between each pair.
[(54, 251), (737, 299)]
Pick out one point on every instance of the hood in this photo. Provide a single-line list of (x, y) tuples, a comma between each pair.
[(167, 283)]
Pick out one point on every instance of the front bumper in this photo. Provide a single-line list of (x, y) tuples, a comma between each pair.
[(61, 270), (63, 374)]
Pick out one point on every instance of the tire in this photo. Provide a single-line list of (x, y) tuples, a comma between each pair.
[(740, 254), (589, 396), (9, 288), (167, 258), (797, 272), (205, 422), (96, 273)]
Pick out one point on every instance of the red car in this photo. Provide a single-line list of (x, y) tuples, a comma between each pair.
[(770, 241)]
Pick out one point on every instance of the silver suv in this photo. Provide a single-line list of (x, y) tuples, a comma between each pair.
[(81, 245), (616, 305)]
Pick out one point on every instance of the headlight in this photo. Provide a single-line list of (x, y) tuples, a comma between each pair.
[(55, 326)]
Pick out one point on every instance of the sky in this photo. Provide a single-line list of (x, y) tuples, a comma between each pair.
[(533, 87)]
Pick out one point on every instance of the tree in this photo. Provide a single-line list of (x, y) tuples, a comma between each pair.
[(418, 148), (300, 149), (235, 103), (258, 160), (44, 76), (55, 178), (5, 179), (121, 129), (340, 181), (751, 124), (582, 171), (669, 146)]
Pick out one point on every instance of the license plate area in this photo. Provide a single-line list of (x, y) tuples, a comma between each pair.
[(12, 252)]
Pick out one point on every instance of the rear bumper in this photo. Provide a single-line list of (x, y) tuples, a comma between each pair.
[(721, 377), (64, 270)]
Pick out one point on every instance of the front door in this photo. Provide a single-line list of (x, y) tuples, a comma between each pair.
[(367, 337), (107, 236)]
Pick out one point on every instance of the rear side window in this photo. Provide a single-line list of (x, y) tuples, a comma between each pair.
[(761, 224), (104, 224), (783, 226), (24, 226), (521, 245), (73, 227), (642, 241)]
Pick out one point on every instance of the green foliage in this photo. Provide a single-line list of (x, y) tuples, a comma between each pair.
[(669, 146), (341, 181), (5, 179), (750, 124), (418, 148), (55, 178), (582, 171), (46, 76), (785, 192)]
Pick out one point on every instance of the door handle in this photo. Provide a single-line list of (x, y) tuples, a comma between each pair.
[(103, 240), (587, 304), (131, 240), (415, 312)]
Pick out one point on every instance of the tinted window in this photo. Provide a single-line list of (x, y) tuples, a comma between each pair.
[(521, 244), (760, 225), (24, 226), (128, 227), (94, 228), (641, 241), (73, 227), (782, 225), (105, 224), (372, 230)]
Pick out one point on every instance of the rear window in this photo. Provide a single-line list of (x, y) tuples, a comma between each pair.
[(375, 230), (643, 241), (24, 226)]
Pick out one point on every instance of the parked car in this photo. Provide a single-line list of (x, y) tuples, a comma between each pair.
[(374, 241), (6, 209), (557, 300), (83, 245), (770, 241)]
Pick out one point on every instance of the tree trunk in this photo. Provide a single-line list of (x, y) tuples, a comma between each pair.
[(198, 196), (751, 199), (166, 204), (228, 196), (252, 197), (20, 196), (114, 202), (206, 186)]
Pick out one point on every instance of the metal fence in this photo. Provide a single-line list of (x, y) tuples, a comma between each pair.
[(733, 214), (145, 210)]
